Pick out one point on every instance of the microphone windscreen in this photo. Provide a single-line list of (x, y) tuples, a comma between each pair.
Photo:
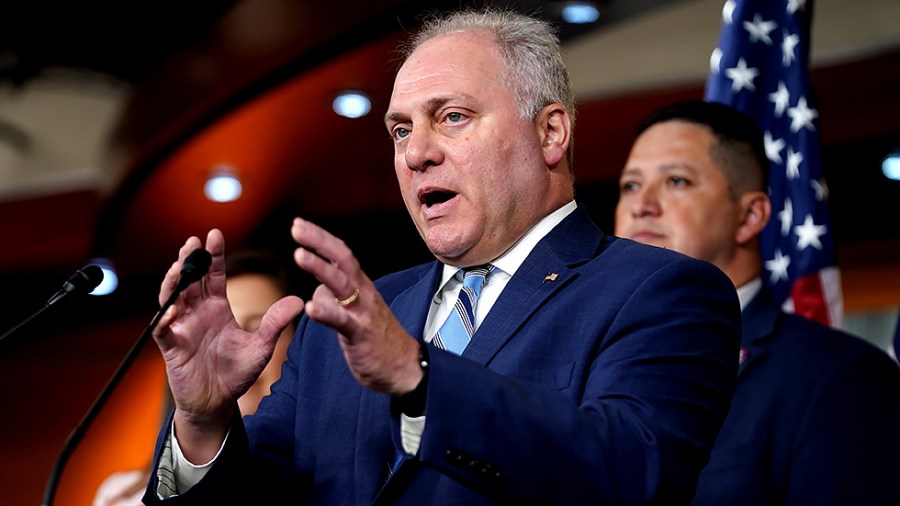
[(195, 266), (86, 279)]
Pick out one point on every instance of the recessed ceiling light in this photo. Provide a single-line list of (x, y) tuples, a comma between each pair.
[(110, 278), (223, 185), (580, 13), (890, 166), (352, 104)]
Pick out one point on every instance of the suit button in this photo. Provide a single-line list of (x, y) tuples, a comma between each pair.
[(489, 471)]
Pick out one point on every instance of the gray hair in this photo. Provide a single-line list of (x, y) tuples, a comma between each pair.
[(535, 69)]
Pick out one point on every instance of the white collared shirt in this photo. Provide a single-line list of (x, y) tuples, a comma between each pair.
[(506, 265), (748, 290)]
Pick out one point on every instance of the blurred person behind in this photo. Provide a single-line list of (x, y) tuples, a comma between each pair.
[(255, 280)]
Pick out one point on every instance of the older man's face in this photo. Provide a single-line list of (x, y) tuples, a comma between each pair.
[(471, 171)]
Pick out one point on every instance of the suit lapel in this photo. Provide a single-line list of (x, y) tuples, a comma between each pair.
[(411, 306), (549, 267), (411, 309), (546, 270)]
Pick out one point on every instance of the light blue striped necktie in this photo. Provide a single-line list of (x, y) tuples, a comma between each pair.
[(457, 330)]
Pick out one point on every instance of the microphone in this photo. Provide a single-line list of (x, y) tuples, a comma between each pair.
[(83, 281), (195, 266)]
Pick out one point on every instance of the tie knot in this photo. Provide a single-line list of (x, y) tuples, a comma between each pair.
[(478, 270), (474, 278)]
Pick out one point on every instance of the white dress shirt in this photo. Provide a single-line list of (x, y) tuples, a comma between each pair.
[(748, 290)]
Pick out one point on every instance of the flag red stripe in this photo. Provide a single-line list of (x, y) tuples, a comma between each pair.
[(809, 298)]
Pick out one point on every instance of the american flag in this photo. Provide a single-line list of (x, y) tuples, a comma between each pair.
[(761, 66)]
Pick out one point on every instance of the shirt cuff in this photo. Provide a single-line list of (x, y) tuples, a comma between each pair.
[(176, 474), (411, 429)]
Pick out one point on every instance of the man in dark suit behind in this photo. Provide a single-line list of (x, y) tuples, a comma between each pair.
[(599, 372), (815, 417)]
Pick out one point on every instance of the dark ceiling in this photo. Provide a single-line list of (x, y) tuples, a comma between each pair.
[(125, 40), (131, 40)]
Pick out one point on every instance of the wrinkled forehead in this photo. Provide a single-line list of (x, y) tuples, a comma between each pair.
[(456, 64), (453, 54)]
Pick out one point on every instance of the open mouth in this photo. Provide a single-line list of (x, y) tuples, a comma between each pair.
[(434, 197)]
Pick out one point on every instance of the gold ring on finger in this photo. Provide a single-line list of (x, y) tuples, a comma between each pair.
[(349, 300)]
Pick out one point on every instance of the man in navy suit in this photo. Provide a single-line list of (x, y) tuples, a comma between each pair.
[(599, 372), (815, 416)]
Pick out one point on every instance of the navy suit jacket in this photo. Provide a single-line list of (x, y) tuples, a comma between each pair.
[(606, 384), (815, 419)]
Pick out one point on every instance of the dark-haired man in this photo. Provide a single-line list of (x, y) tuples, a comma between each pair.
[(815, 417)]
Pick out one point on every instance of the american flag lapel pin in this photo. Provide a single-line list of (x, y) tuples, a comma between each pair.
[(551, 276)]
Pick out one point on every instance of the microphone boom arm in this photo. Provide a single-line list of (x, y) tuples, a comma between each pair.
[(195, 266)]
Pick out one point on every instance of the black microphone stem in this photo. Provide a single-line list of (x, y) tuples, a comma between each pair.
[(83, 281), (78, 433), (23, 322)]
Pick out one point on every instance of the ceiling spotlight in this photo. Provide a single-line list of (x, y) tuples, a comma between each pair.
[(110, 278), (580, 13), (223, 185), (890, 166), (352, 104)]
